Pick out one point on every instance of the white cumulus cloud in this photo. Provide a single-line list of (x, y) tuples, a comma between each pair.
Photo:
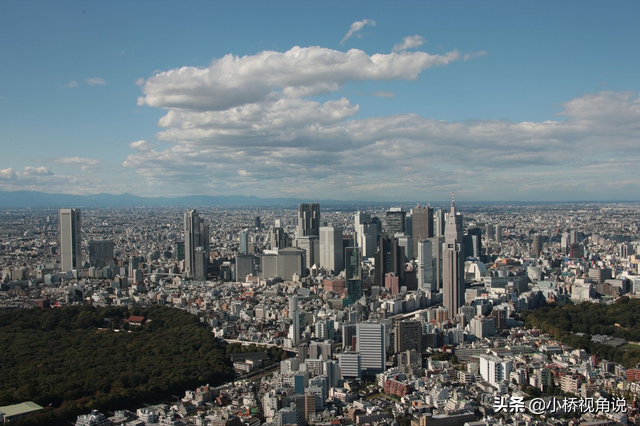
[(8, 174), (247, 125), (233, 81)]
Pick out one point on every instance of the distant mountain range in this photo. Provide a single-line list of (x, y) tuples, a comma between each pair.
[(35, 199), (40, 200)]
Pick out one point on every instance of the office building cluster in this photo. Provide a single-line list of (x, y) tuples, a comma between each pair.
[(416, 304)]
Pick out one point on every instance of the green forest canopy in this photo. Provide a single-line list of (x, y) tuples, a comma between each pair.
[(59, 357), (621, 319)]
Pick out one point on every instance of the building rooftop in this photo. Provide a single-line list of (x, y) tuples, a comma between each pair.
[(18, 409)]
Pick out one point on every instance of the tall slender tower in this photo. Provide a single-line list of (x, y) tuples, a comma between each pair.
[(453, 263), (294, 314), (196, 245), (70, 239)]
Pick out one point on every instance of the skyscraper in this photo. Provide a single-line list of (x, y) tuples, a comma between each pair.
[(279, 238), (422, 218), (407, 336), (331, 252), (426, 277), (243, 247), (498, 233), (395, 221), (100, 254), (309, 220), (366, 233), (536, 245), (70, 239), (453, 264), (353, 274), (294, 315), (488, 229), (473, 243), (439, 223), (196, 245), (370, 343), (390, 257)]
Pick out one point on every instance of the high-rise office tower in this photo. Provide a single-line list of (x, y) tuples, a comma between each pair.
[(407, 336), (243, 247), (498, 233), (245, 265), (488, 229), (390, 257), (294, 315), (311, 247), (279, 238), (436, 246), (426, 276), (366, 233), (331, 252), (473, 243), (353, 274), (406, 242), (395, 221), (133, 266), (565, 243), (453, 264), (576, 236), (536, 245), (309, 220), (439, 223), (179, 250), (100, 254), (290, 262), (196, 245), (422, 218), (370, 343), (70, 239)]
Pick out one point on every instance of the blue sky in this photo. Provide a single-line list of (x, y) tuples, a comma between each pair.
[(347, 100)]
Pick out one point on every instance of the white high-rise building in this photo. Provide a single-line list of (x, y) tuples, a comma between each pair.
[(70, 239), (370, 343), (331, 252), (366, 234), (294, 314), (426, 276), (494, 369), (350, 365)]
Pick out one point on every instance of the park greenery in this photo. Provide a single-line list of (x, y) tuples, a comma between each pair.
[(76, 359), (575, 324)]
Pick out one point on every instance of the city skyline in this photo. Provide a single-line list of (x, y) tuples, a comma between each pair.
[(379, 103)]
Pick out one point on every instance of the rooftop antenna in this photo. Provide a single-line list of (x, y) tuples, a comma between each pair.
[(452, 200)]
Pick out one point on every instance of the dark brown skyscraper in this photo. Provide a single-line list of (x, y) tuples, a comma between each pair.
[(309, 220), (453, 264), (422, 225)]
